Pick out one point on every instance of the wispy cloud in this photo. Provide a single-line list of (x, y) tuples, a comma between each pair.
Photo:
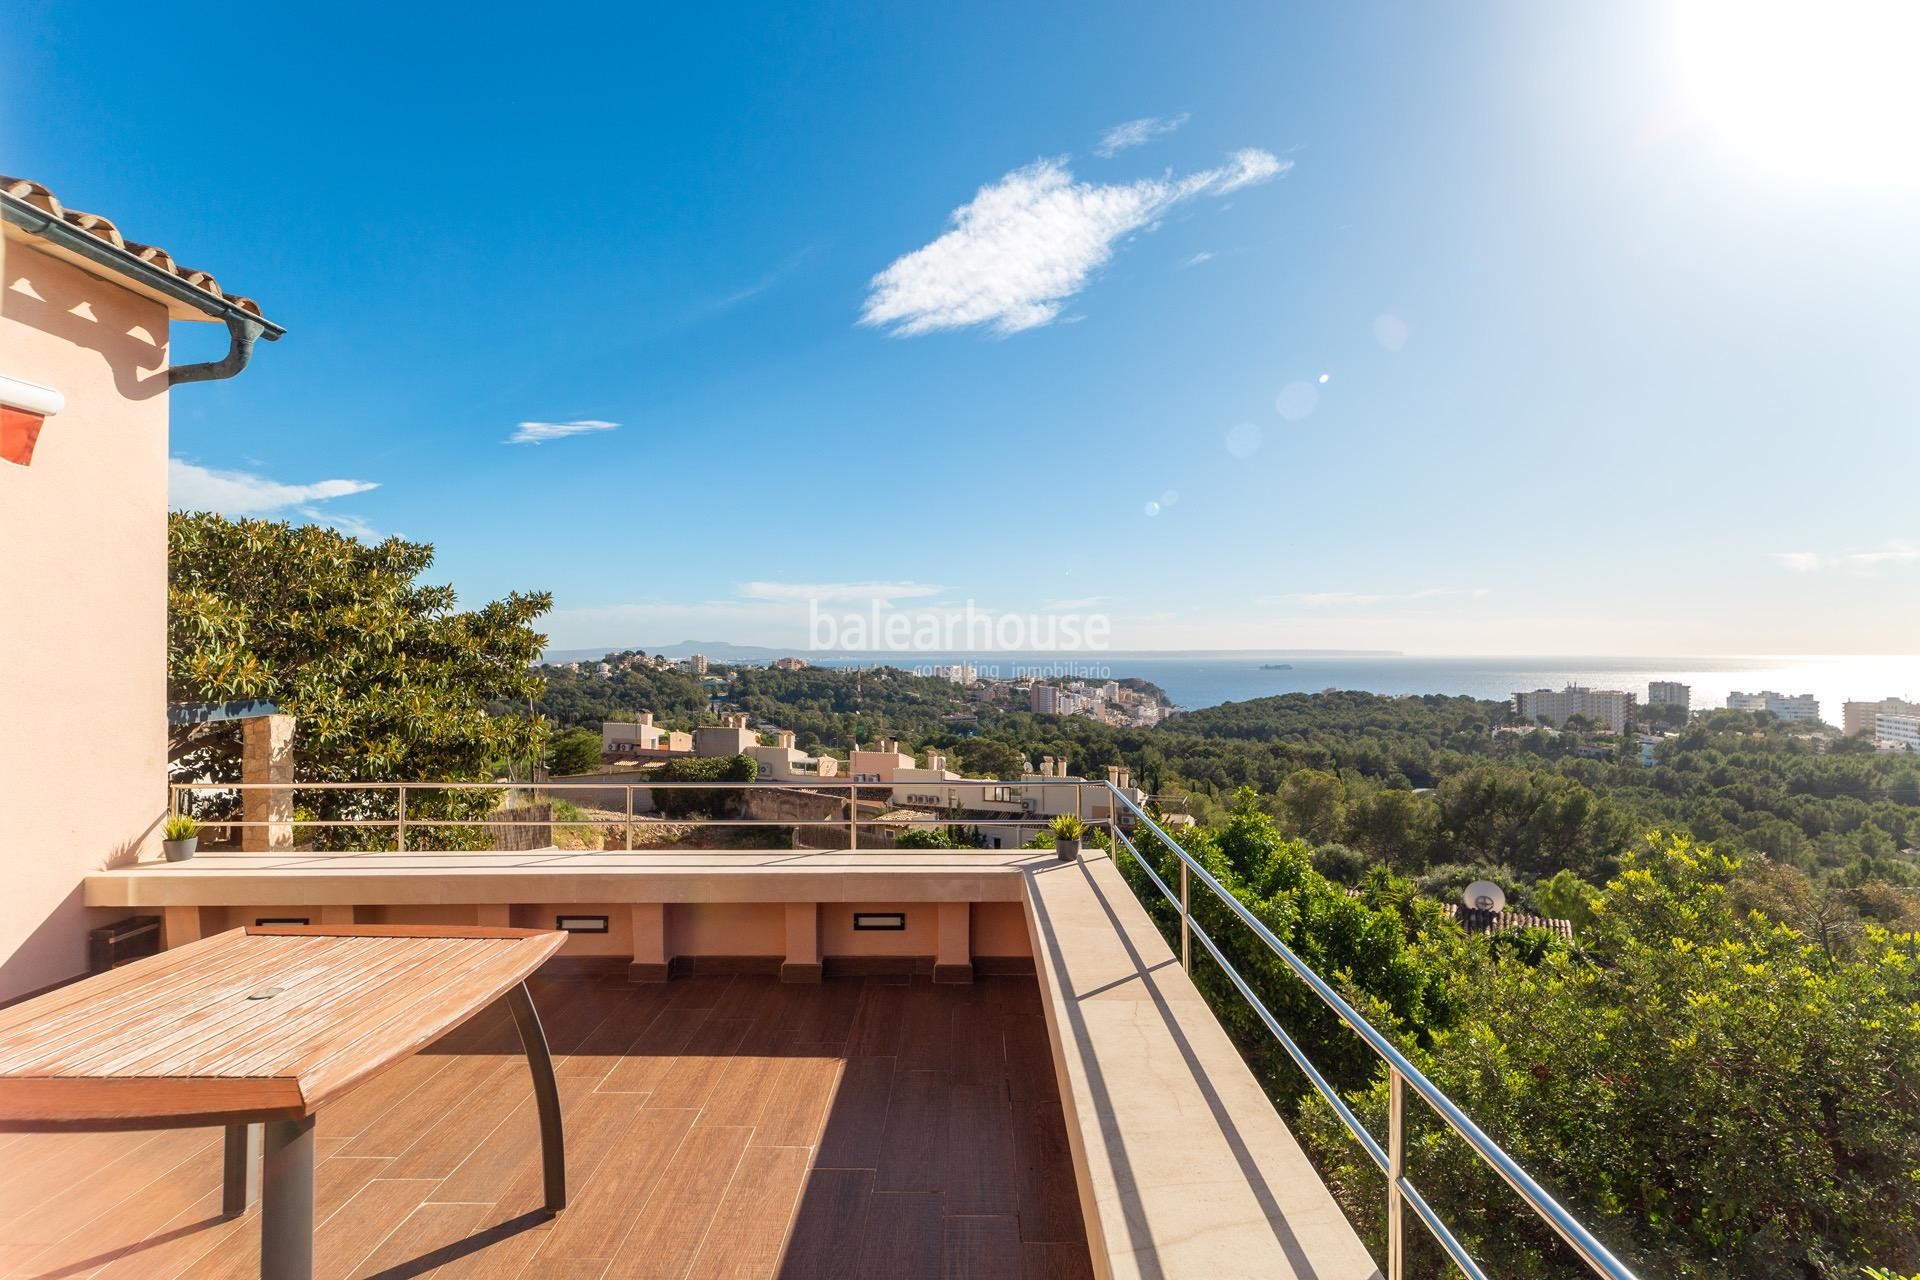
[(1859, 563), (1357, 599), (838, 592), (1028, 242), (1203, 256), (191, 487), (1136, 133), (242, 493), (541, 432)]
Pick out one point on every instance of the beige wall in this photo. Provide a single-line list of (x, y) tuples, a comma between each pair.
[(83, 579)]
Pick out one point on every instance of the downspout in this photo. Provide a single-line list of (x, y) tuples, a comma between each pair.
[(243, 330)]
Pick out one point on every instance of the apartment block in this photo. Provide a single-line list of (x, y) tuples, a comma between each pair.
[(1669, 693), (1608, 707), (1799, 706), (1857, 718), (1896, 732)]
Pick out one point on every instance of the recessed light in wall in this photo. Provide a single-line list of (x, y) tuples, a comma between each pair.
[(864, 921), (580, 924)]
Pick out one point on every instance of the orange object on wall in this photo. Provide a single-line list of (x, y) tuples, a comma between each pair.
[(18, 432)]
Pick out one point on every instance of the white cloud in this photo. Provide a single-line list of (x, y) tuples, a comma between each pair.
[(1025, 244), (1136, 133), (1203, 256), (541, 432), (242, 493), (1859, 563), (837, 591), (1357, 599)]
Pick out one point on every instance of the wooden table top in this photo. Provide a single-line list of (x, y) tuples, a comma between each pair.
[(264, 1023)]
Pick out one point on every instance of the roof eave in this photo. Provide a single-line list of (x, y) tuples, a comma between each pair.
[(98, 255)]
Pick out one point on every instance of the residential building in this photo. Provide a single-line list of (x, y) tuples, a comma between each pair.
[(697, 664), (1669, 693), (1799, 706), (730, 737), (1895, 732), (86, 390), (789, 664), (880, 763), (630, 737), (1608, 708), (1857, 718), (784, 762), (1046, 699)]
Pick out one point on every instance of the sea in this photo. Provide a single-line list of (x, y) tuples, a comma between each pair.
[(1205, 679)]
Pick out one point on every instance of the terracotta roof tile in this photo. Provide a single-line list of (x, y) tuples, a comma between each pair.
[(102, 228)]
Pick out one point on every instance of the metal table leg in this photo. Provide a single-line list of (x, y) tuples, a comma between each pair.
[(286, 1201), (546, 1095), (240, 1179)]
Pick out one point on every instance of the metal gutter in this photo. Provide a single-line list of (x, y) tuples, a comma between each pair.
[(121, 262)]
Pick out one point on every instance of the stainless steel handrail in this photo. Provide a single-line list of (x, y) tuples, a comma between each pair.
[(1401, 1074)]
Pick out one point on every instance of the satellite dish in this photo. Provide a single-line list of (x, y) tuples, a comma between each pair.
[(1483, 895)]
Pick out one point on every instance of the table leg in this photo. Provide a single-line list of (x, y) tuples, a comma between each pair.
[(240, 1179), (286, 1201), (546, 1095)]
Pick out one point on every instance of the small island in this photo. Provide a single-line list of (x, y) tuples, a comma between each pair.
[(1276, 666)]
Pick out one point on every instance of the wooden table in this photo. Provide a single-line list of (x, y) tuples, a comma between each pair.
[(262, 1026)]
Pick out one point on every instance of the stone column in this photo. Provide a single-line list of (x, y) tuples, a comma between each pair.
[(266, 755)]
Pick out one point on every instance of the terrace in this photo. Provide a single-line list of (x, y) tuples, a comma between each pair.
[(1006, 1068)]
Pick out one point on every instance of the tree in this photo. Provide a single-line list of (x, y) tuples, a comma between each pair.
[(574, 751), (1314, 803), (992, 758), (388, 679), (1711, 1092)]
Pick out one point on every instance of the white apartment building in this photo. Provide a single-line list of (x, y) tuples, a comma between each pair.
[(1799, 706), (1669, 693), (1857, 718), (1895, 732), (1046, 699), (1608, 707)]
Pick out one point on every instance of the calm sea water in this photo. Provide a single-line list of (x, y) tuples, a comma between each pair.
[(1195, 680)]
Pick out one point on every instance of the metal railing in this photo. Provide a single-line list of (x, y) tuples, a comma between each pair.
[(1402, 1075), (1118, 815), (634, 809)]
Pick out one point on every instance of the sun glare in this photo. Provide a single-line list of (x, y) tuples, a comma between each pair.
[(1824, 89)]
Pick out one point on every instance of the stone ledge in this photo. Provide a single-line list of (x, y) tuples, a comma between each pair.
[(1186, 1171)]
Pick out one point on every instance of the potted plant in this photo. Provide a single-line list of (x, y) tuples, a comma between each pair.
[(1067, 830), (181, 836)]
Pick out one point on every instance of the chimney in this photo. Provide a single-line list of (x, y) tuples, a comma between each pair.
[(1126, 779), (936, 762), (646, 717), (783, 738), (1046, 766)]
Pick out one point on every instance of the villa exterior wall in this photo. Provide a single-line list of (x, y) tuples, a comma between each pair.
[(83, 580)]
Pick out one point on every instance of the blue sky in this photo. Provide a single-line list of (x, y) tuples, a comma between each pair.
[(1615, 309)]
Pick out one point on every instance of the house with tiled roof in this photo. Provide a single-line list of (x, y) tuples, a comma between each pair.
[(86, 315)]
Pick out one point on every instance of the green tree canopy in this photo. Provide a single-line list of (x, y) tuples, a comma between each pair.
[(390, 681)]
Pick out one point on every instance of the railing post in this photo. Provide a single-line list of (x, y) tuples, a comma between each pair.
[(629, 817), (853, 816), (1396, 1169), (1186, 919), (400, 822)]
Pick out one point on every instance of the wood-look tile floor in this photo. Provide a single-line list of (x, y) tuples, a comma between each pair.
[(716, 1127)]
